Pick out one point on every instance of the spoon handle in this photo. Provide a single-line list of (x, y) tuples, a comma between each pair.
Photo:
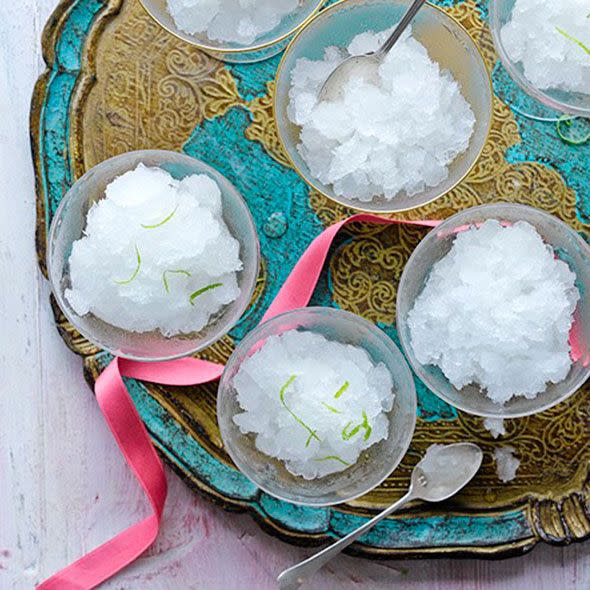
[(401, 27), (293, 577)]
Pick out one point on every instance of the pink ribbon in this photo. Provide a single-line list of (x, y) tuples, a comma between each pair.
[(133, 439)]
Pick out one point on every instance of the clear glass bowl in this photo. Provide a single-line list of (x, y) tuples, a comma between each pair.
[(265, 46), (571, 248), (68, 225), (573, 103), (447, 42), (374, 464)]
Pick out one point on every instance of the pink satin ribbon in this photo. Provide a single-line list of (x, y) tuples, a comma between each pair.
[(133, 439)]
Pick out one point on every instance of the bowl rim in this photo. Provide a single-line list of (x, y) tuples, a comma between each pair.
[(339, 200), (217, 335), (253, 337), (417, 367), (519, 78), (222, 51)]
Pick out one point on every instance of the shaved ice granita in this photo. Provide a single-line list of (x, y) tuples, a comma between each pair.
[(235, 21), (507, 463), (155, 255), (496, 311), (313, 403), (381, 137), (552, 42)]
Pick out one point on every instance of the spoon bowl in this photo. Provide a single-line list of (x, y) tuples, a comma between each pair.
[(444, 470), (366, 66)]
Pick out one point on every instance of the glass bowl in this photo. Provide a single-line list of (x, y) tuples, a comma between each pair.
[(374, 464), (573, 103), (68, 225), (571, 248), (265, 46), (447, 42)]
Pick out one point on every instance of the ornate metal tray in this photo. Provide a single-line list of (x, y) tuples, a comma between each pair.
[(115, 82)]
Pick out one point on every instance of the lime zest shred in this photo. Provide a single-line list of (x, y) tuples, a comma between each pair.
[(366, 426), (331, 408), (186, 273), (202, 290), (574, 39), (333, 458), (344, 387), (310, 437), (567, 120), (135, 272), (312, 433), (161, 223), (348, 435)]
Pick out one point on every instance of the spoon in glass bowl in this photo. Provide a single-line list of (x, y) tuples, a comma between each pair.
[(441, 473), (365, 66)]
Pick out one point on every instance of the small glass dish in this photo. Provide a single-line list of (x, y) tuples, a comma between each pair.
[(447, 42), (571, 248), (572, 103), (265, 46), (68, 226), (374, 464)]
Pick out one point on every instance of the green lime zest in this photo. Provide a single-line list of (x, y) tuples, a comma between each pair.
[(161, 223), (574, 39), (312, 433), (199, 292), (135, 272), (310, 438), (348, 435), (366, 426), (331, 408), (344, 387), (333, 458), (165, 274), (568, 121)]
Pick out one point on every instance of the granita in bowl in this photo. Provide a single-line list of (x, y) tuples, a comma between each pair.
[(545, 47), (152, 255), (493, 310), (316, 406), (233, 30), (394, 141)]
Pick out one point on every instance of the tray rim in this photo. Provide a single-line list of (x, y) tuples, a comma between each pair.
[(546, 517)]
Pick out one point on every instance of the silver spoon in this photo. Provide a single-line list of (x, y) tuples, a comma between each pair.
[(439, 475), (366, 66)]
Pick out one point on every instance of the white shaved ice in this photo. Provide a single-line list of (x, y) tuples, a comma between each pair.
[(506, 463), (496, 311), (239, 21), (311, 370), (194, 240), (495, 426), (380, 140), (549, 59)]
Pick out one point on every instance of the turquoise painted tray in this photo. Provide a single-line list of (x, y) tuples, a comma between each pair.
[(115, 82)]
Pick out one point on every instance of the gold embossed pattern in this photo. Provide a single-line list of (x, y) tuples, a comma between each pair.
[(151, 90)]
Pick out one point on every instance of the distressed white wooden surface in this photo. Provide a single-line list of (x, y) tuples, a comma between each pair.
[(64, 487)]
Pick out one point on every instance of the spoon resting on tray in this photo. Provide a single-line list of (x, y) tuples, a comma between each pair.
[(443, 471), (365, 66)]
